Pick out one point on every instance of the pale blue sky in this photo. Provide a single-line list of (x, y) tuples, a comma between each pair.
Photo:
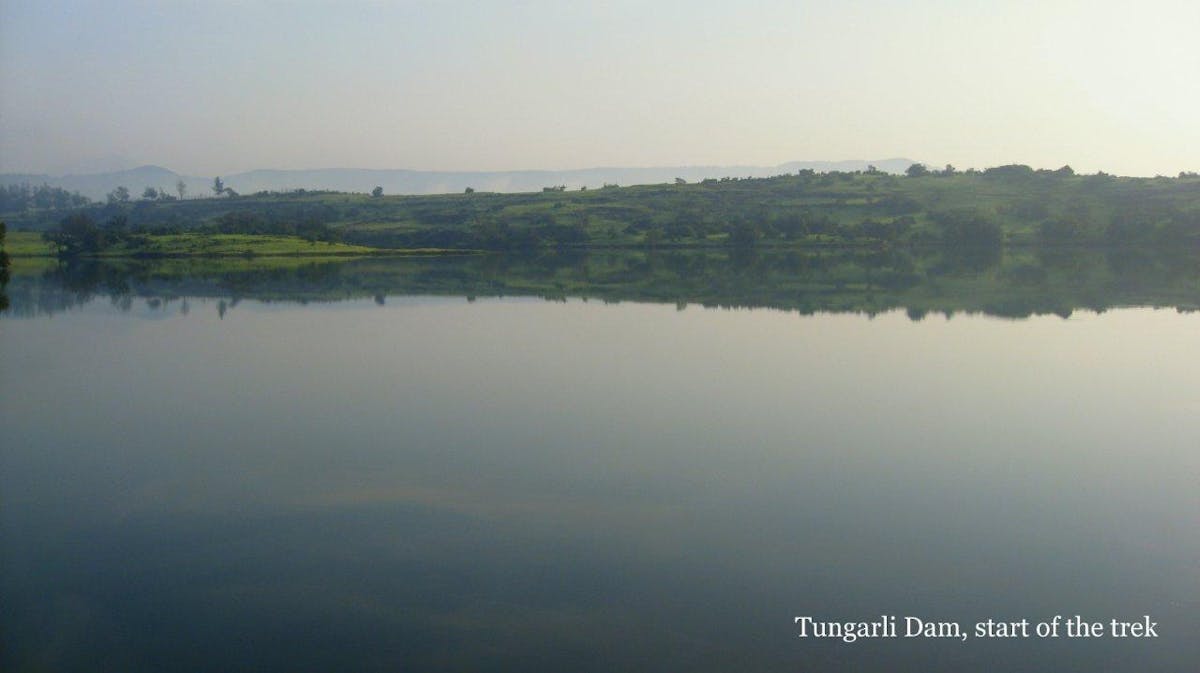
[(217, 87)]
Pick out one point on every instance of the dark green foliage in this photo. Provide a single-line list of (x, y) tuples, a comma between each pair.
[(1030, 210), (1181, 229), (1154, 224), (1100, 182), (562, 234), (916, 171), (76, 234), (1011, 171), (1061, 231), (968, 228), (744, 233), (888, 231), (309, 223), (899, 204)]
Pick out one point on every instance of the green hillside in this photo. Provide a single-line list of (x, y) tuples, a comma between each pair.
[(1012, 205)]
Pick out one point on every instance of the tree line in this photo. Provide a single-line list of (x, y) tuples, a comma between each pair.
[(24, 196), (82, 234)]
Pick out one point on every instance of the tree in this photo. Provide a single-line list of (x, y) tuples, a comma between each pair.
[(75, 234), (119, 195), (150, 193), (680, 181), (378, 191), (1009, 171), (968, 228), (181, 188), (218, 187), (469, 190), (916, 171)]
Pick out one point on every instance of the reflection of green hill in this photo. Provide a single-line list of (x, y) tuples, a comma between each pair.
[(1015, 283)]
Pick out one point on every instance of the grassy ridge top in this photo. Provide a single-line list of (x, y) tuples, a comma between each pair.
[(1010, 204)]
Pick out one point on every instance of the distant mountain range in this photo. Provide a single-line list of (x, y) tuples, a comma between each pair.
[(400, 181)]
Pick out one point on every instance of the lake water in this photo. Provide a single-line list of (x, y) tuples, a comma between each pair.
[(206, 481)]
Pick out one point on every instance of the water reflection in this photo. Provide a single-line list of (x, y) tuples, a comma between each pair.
[(1014, 283), (296, 477)]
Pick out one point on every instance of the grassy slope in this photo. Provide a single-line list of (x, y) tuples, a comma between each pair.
[(626, 216), (630, 216), (26, 244)]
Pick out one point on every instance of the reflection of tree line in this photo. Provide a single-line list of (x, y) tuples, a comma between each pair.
[(4, 273), (1013, 283)]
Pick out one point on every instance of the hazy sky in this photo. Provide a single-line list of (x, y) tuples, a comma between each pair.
[(218, 87)]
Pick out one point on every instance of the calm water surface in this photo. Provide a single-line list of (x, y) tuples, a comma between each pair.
[(515, 484)]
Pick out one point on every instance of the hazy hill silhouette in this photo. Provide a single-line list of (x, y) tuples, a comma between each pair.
[(402, 181)]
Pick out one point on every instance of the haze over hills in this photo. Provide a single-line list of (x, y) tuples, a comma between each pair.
[(97, 185), (401, 181)]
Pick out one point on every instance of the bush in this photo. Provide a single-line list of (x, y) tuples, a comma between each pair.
[(968, 228)]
